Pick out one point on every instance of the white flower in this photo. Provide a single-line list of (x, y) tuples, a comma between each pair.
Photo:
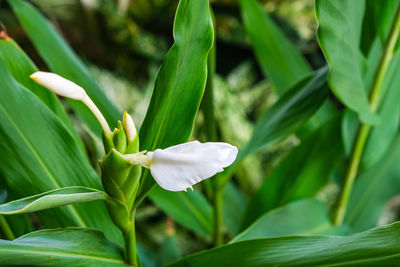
[(179, 167), (59, 85), (66, 88)]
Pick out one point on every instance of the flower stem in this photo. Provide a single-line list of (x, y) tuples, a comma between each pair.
[(5, 227), (363, 132), (218, 234), (130, 243)]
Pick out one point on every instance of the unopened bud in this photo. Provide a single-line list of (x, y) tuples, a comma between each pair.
[(59, 85), (129, 126)]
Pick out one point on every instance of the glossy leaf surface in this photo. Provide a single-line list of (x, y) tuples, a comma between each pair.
[(303, 217), (339, 31), (63, 247), (40, 154), (52, 199), (378, 246)]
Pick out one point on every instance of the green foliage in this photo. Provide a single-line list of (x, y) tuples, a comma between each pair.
[(306, 170), (64, 247), (303, 217), (278, 58), (339, 34), (180, 82), (52, 199), (39, 154), (317, 167), (378, 246), (62, 60)]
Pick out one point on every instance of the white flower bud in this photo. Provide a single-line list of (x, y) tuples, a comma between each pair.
[(129, 126), (179, 167), (59, 85)]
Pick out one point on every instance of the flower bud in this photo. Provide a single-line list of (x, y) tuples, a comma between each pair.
[(129, 126), (59, 85)]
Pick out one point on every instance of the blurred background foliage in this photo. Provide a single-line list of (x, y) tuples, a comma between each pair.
[(123, 42)]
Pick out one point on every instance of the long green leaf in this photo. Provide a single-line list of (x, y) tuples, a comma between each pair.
[(373, 189), (339, 31), (279, 59), (64, 247), (62, 60), (303, 217), (39, 154), (302, 174), (180, 82), (376, 247), (52, 199), (176, 98)]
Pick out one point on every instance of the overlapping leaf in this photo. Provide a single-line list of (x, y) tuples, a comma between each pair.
[(375, 247), (339, 31), (303, 217), (65, 247), (302, 174), (38, 154), (52, 199), (61, 59)]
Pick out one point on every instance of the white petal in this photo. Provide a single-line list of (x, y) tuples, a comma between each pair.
[(59, 85), (179, 167)]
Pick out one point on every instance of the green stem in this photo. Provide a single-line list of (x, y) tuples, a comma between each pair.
[(6, 228), (363, 132), (130, 243), (218, 234)]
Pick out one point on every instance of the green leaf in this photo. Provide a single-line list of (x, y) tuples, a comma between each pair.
[(288, 114), (373, 189), (381, 135), (279, 59), (377, 247), (21, 67), (234, 206), (292, 110), (52, 199), (339, 31), (63, 247), (301, 174), (39, 154), (180, 83), (61, 59), (303, 217), (190, 209), (169, 251)]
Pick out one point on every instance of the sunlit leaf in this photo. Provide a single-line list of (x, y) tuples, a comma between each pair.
[(339, 31), (378, 246), (63, 247), (52, 199), (303, 217), (39, 154)]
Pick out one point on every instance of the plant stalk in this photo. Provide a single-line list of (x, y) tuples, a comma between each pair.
[(364, 130), (6, 229), (130, 243)]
